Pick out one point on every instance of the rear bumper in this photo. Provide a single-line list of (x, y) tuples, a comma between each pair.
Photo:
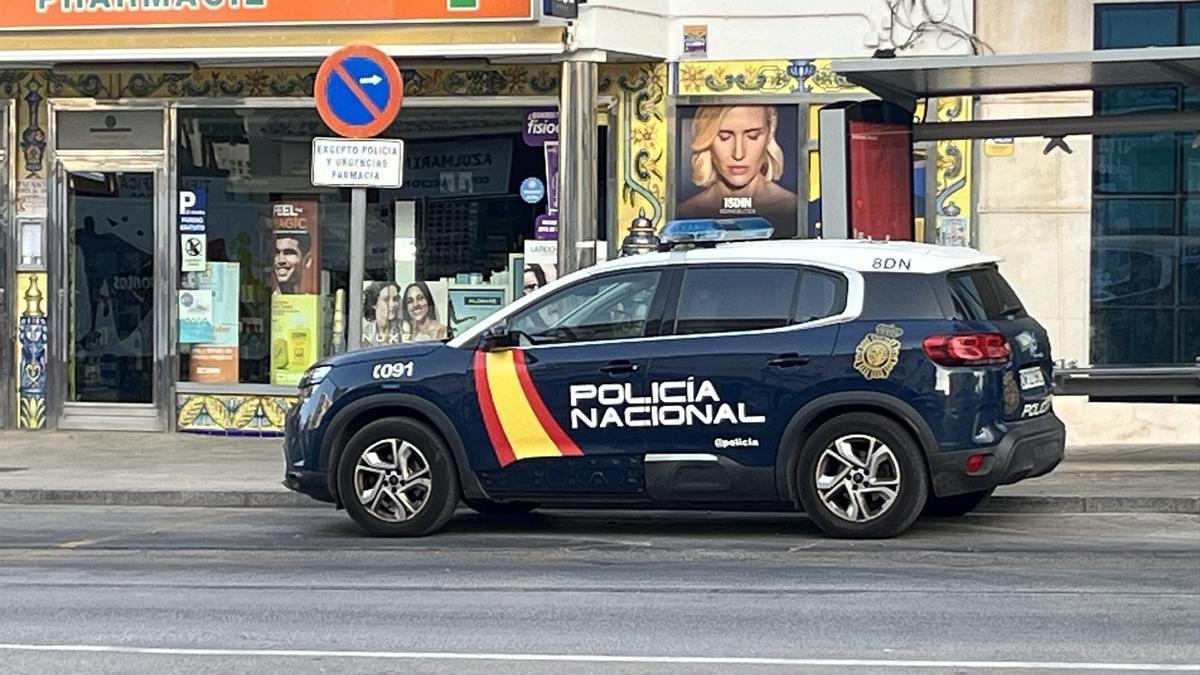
[(1030, 448)]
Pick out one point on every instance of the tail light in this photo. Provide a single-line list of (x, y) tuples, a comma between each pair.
[(968, 349)]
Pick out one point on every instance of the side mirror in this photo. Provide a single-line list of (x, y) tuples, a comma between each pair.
[(498, 338)]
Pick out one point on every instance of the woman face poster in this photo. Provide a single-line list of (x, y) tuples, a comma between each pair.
[(739, 160)]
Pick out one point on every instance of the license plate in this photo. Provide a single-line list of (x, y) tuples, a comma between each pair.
[(1032, 378)]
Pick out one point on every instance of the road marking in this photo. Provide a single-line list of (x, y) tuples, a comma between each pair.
[(72, 545), (607, 658)]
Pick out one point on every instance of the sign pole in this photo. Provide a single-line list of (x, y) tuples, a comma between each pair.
[(358, 254)]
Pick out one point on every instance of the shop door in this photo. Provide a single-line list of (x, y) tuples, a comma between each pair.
[(114, 308)]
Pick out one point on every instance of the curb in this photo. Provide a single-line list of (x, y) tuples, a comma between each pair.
[(282, 499), (1049, 504), (203, 498)]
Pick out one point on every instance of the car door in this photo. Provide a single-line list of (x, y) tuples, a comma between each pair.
[(549, 411), (749, 345)]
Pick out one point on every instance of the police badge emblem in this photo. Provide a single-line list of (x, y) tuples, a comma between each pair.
[(879, 352)]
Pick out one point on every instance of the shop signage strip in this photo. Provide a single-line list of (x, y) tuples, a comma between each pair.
[(358, 162), (66, 14)]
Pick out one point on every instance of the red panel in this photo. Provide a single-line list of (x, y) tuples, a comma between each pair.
[(881, 181)]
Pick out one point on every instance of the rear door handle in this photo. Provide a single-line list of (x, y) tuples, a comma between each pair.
[(618, 367), (788, 361)]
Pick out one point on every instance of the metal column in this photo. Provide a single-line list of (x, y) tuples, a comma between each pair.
[(577, 173), (358, 254)]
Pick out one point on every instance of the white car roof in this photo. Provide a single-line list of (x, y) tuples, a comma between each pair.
[(852, 256), (861, 255)]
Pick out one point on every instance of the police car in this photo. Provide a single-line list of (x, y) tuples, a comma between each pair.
[(862, 382)]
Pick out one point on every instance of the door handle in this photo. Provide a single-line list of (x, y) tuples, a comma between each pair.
[(788, 361), (618, 367)]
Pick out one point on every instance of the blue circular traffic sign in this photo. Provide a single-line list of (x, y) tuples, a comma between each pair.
[(358, 90), (532, 190)]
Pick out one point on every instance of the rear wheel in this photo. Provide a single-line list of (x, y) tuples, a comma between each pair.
[(862, 475), (958, 505), (397, 478)]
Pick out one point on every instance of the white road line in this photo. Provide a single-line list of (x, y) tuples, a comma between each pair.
[(606, 658)]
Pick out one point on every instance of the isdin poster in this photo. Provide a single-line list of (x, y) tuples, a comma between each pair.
[(738, 161)]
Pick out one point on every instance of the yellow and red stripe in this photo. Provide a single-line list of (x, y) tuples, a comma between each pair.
[(518, 422)]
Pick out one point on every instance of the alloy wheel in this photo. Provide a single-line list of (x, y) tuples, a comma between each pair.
[(858, 477), (392, 480)]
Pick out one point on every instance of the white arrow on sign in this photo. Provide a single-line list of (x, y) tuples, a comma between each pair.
[(372, 80)]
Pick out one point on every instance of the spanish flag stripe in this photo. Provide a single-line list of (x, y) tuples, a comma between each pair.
[(525, 433), (503, 449), (565, 445)]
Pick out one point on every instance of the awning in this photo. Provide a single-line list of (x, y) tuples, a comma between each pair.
[(910, 78)]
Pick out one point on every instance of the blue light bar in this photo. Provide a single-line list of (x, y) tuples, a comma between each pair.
[(715, 230)]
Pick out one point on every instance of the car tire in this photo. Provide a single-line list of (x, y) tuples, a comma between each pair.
[(871, 484), (953, 507), (397, 478), (486, 507)]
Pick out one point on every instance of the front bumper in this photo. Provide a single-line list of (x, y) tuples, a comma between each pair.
[(299, 472), (315, 484), (1031, 448)]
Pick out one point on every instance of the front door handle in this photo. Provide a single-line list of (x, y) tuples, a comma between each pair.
[(621, 367), (788, 361)]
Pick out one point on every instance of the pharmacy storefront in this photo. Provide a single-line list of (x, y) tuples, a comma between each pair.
[(170, 264)]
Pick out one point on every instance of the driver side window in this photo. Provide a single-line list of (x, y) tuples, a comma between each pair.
[(612, 307)]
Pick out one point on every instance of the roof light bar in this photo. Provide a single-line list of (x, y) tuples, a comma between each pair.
[(712, 231)]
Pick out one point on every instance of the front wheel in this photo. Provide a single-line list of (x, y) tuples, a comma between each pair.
[(397, 478), (862, 476)]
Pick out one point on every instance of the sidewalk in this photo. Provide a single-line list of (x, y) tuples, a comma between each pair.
[(192, 470)]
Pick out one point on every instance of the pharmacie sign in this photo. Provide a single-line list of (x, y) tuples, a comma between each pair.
[(56, 14)]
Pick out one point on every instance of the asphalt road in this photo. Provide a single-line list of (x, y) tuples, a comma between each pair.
[(128, 589)]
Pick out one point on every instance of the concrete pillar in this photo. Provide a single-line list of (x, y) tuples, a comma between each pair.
[(577, 175)]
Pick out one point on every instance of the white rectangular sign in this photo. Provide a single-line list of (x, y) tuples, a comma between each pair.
[(195, 252), (358, 162)]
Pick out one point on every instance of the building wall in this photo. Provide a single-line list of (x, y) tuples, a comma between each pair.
[(1035, 211), (768, 29)]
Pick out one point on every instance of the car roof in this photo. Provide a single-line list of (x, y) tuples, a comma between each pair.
[(862, 255)]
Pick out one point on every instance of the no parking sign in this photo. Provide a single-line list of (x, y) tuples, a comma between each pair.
[(359, 90)]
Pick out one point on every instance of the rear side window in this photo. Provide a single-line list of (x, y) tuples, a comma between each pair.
[(820, 296), (900, 296), (744, 298), (983, 295)]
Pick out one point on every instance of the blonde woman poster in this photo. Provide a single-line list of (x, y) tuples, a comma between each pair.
[(739, 160)]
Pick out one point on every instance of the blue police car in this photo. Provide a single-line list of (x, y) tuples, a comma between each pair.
[(863, 382)]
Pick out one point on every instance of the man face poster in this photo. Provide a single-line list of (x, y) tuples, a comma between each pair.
[(739, 160), (294, 268)]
